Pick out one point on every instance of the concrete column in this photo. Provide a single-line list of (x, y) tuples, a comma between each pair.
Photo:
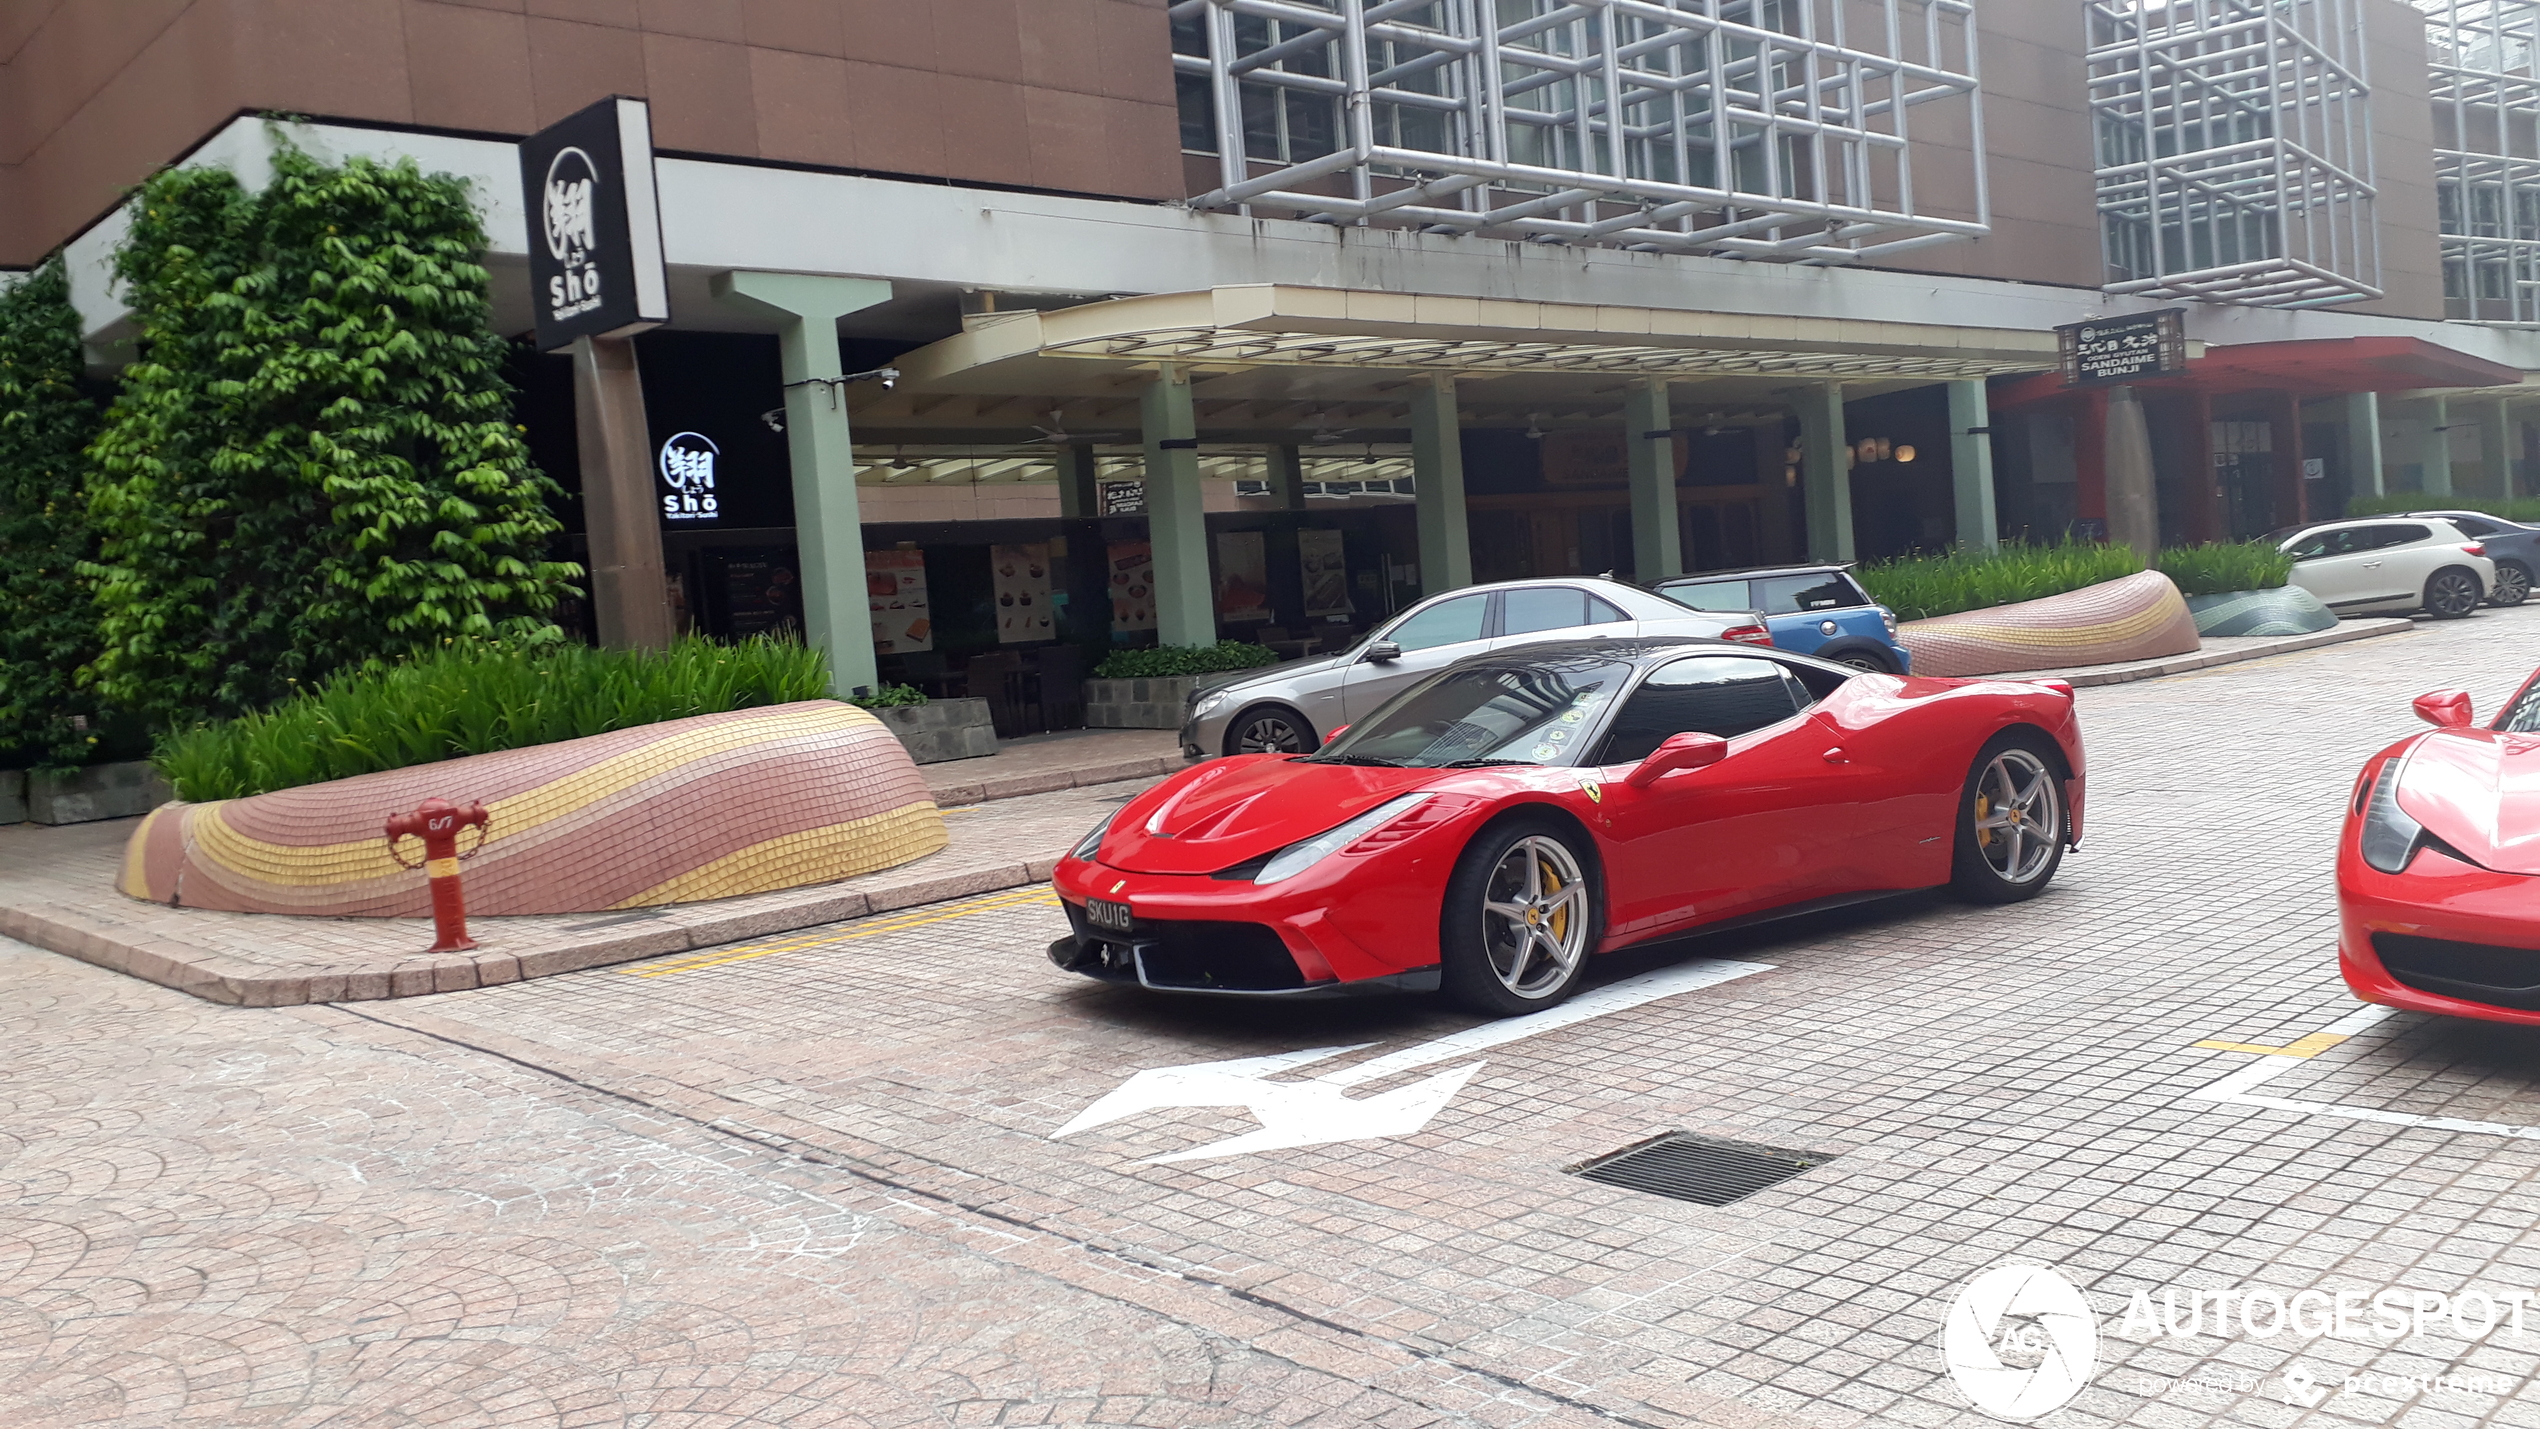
[(1771, 441), (2436, 448), (2134, 513), (2090, 457), (1825, 473), (2363, 444), (1088, 560), (1437, 471), (2204, 495), (828, 529), (1079, 492), (1649, 455), (2292, 489), (1287, 478), (1177, 521), (2496, 477), (630, 592), (1971, 467)]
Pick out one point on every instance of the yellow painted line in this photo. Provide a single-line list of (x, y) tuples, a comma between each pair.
[(2310, 1046), (875, 927)]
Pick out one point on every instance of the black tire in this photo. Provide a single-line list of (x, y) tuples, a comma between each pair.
[(2452, 593), (1994, 862), (1861, 657), (2513, 584), (1270, 729), (1477, 958)]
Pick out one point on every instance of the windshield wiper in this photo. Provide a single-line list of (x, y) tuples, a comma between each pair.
[(1366, 759), (1479, 763)]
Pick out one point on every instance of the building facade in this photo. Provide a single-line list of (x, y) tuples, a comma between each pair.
[(1160, 321)]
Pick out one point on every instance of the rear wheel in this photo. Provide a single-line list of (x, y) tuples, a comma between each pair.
[(1269, 729), (2011, 821), (2513, 584), (1521, 918), (1870, 660), (2452, 592)]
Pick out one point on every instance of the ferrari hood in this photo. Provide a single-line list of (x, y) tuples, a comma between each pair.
[(1230, 811), (2479, 791)]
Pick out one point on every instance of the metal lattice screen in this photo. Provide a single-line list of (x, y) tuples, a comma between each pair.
[(1771, 129), (2235, 150), (2486, 90)]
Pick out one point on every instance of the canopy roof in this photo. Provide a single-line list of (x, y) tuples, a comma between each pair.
[(2315, 367)]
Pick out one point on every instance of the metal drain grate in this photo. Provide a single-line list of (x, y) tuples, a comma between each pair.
[(1697, 1168)]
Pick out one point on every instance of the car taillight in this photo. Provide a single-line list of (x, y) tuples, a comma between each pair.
[(1748, 634), (1418, 819), (2475, 549)]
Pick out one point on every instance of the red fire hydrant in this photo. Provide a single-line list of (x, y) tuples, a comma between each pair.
[(437, 823)]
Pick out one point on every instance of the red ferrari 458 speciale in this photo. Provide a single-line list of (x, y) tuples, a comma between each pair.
[(2438, 871), (1488, 828)]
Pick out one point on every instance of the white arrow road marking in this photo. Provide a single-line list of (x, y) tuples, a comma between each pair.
[(1311, 1113)]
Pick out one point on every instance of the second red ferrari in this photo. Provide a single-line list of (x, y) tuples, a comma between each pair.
[(1488, 829)]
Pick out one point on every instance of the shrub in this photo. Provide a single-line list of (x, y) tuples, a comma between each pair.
[(889, 696), (50, 625), (2227, 566), (2525, 510), (1166, 661), (311, 466), (477, 696), (1920, 587)]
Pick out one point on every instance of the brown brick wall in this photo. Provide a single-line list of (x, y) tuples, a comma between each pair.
[(1069, 95)]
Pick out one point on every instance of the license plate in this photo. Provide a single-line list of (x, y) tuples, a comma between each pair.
[(1109, 916)]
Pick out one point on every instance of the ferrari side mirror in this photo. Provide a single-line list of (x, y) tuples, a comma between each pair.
[(1680, 751), (2445, 709), (1335, 734), (1382, 651)]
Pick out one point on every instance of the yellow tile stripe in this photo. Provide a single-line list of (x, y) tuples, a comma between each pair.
[(2310, 1046), (1036, 897)]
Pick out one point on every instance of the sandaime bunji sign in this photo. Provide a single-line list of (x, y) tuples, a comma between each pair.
[(595, 263), (2123, 349)]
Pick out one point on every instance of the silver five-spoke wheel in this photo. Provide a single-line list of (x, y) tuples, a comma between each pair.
[(2019, 818), (1269, 731), (1535, 917)]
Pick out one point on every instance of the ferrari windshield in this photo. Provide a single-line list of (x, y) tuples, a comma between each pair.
[(2523, 715), (1534, 713)]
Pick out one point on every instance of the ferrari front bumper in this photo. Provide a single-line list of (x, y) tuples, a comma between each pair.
[(2443, 937)]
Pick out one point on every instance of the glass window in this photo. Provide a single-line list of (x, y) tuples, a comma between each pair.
[(2343, 542), (1798, 595), (1603, 612), (2475, 526), (1710, 595), (1445, 623), (2385, 536), (1533, 713), (1522, 612), (1726, 695), (2522, 716)]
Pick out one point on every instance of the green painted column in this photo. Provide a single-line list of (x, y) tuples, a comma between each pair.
[(1079, 489), (2436, 449), (2363, 444), (2495, 462), (1649, 454), (1437, 473), (1287, 478), (828, 529), (1177, 522), (1825, 473), (1971, 467)]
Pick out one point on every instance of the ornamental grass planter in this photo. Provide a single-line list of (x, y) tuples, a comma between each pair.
[(942, 730), (1139, 704), (2140, 617)]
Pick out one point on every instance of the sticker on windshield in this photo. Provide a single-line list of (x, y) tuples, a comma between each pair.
[(1545, 751), (1573, 716), (1556, 735)]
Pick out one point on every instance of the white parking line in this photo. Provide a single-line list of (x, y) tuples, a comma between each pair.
[(2235, 1089)]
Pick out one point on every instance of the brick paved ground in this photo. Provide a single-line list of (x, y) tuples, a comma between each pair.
[(812, 1180)]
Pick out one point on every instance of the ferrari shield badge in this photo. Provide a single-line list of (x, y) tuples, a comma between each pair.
[(1594, 791)]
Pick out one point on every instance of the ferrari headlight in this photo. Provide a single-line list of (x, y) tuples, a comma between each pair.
[(1087, 846), (1296, 858), (2390, 837)]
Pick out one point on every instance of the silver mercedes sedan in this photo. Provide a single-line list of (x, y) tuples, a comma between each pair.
[(1292, 707)]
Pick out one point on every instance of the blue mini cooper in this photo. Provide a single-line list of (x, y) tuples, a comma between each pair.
[(1812, 610)]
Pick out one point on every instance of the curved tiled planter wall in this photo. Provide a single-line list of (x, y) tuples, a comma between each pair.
[(2140, 617)]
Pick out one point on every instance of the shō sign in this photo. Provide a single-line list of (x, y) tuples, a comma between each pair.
[(687, 477), (595, 258), (2123, 349)]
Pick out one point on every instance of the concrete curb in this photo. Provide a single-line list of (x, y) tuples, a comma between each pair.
[(1049, 781), (2259, 649)]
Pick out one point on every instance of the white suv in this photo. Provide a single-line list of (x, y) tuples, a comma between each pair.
[(2387, 565)]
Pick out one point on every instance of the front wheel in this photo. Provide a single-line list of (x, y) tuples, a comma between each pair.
[(1269, 729), (2011, 822), (1521, 918), (2513, 584), (2452, 592)]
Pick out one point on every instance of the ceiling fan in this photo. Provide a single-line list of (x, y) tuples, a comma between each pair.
[(1056, 433), (1325, 434)]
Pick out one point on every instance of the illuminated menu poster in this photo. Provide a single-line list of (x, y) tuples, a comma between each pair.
[(1320, 559), (1022, 577), (1243, 578), (1132, 580), (896, 582), (761, 593)]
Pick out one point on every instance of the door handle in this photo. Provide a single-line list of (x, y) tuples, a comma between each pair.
[(1837, 756)]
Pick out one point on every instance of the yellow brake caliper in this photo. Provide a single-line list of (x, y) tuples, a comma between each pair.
[(1984, 836), (1561, 916)]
